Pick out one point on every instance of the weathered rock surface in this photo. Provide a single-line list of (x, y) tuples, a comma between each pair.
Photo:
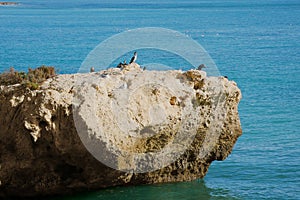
[(147, 126)]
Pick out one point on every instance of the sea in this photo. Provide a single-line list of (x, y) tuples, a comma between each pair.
[(256, 43)]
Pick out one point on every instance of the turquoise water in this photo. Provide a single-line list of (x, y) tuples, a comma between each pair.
[(255, 43)]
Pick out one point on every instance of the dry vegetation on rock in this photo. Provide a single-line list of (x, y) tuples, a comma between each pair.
[(32, 79)]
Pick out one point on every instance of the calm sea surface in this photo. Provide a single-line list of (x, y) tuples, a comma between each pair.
[(256, 43)]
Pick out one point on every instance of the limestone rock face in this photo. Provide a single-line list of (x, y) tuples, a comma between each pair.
[(115, 127)]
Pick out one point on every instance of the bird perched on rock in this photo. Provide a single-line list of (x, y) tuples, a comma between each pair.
[(122, 65), (200, 67), (105, 75), (92, 69), (134, 57)]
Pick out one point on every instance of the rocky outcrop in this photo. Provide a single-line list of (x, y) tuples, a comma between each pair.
[(6, 3), (115, 127)]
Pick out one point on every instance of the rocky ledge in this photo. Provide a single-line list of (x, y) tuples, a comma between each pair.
[(126, 126)]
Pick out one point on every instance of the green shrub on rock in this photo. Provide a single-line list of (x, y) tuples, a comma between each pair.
[(32, 79)]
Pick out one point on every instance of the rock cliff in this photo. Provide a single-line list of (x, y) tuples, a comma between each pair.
[(125, 126)]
